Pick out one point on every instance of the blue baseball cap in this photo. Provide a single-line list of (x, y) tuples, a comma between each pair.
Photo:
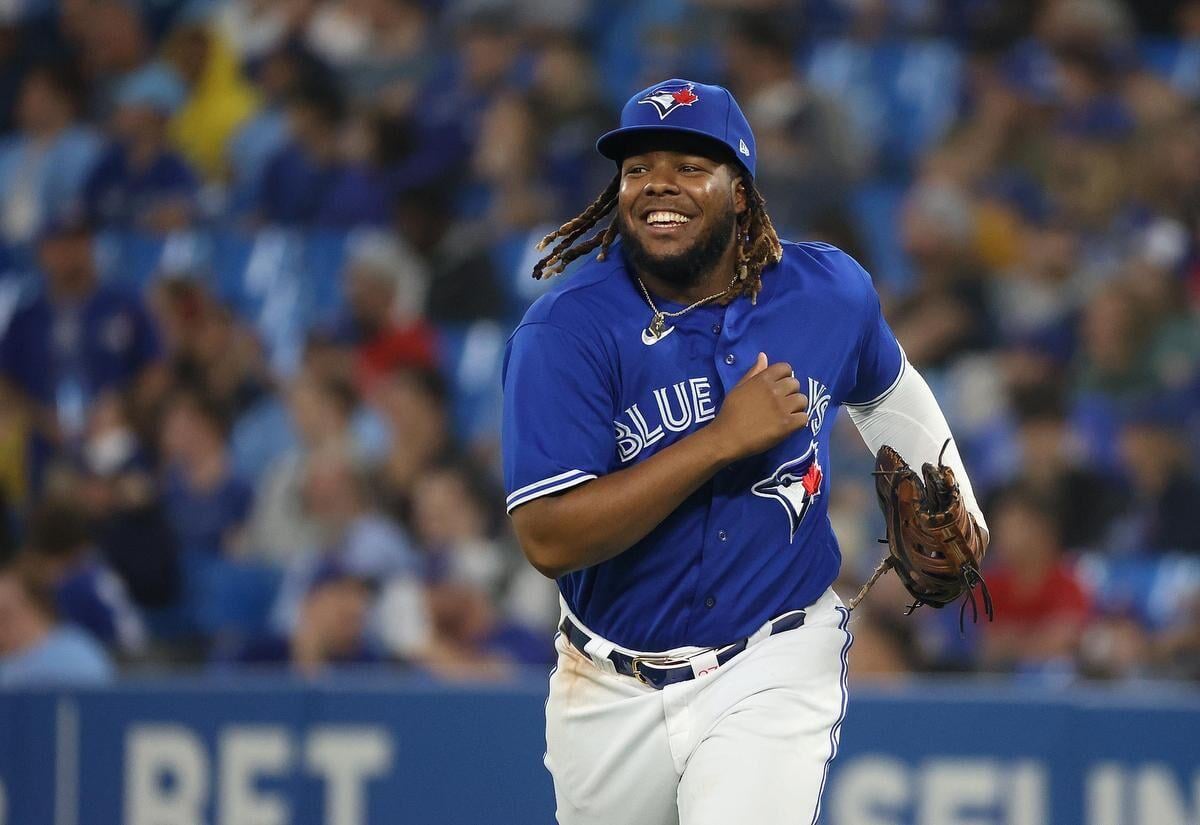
[(155, 86), (683, 106)]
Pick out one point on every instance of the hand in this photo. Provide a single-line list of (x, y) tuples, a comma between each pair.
[(763, 409)]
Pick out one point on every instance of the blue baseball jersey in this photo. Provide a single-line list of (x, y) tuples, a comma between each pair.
[(586, 395), (104, 341)]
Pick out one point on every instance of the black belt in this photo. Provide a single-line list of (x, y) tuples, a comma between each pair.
[(659, 671)]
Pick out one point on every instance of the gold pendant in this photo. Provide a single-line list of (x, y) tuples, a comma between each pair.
[(657, 330), (658, 325)]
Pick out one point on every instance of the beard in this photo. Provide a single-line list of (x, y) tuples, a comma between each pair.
[(686, 268)]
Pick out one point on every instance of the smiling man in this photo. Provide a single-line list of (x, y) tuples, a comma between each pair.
[(666, 435)]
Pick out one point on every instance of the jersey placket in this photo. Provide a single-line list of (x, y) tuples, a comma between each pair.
[(712, 344)]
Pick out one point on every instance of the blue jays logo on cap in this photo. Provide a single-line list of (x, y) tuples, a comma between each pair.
[(670, 97), (683, 107)]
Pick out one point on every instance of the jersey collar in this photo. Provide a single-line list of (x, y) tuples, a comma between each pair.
[(740, 314)]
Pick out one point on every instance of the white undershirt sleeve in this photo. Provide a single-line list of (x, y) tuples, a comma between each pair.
[(909, 420)]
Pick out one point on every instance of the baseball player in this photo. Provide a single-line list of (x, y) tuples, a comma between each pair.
[(666, 454)]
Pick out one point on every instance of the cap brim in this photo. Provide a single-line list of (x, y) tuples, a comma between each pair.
[(614, 145)]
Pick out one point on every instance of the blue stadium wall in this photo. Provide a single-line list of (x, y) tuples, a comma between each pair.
[(288, 753)]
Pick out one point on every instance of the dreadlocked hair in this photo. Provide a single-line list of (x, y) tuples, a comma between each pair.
[(758, 244)]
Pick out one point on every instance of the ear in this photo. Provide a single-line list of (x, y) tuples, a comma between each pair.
[(741, 198)]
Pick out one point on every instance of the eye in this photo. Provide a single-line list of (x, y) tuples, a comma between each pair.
[(635, 168)]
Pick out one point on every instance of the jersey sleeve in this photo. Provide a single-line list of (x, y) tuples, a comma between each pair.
[(881, 361), (557, 430)]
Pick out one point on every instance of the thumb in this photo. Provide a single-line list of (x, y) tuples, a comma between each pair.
[(759, 365)]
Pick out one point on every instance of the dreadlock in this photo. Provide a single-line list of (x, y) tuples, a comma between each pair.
[(758, 245)]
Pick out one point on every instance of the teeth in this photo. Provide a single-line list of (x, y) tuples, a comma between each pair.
[(666, 217)]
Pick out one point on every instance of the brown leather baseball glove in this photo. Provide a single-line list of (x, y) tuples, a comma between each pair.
[(934, 544)]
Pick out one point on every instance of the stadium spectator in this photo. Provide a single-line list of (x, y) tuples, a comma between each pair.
[(140, 182), (569, 111), (413, 402), (1152, 278), (1170, 156), (470, 638), (1088, 82), (208, 505), (44, 164), (208, 347), (361, 540), (1160, 485), (203, 343), (36, 650), (116, 484), (508, 182), (463, 285), (257, 139), (810, 157), (113, 41), (946, 314), (450, 520), (375, 47), (282, 525), (77, 338), (182, 309), (1041, 606), (1030, 290), (457, 524), (218, 100), (308, 181), (1113, 356), (330, 632), (385, 285), (488, 56), (1116, 645), (1051, 461), (62, 556), (370, 143)]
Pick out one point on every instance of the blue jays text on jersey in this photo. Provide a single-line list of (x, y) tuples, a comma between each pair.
[(585, 396)]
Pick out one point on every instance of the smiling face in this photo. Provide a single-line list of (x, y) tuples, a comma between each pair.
[(677, 209)]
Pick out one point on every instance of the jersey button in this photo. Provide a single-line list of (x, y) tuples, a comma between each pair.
[(710, 602), (729, 359), (716, 329), (722, 535)]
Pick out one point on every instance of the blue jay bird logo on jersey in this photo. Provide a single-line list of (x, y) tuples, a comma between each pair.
[(667, 99), (794, 484)]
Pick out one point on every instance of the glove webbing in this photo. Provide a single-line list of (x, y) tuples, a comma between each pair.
[(973, 576), (970, 573)]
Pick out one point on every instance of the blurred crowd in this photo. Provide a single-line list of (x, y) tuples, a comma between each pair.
[(259, 260)]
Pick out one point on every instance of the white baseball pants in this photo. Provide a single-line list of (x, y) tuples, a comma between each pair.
[(749, 743)]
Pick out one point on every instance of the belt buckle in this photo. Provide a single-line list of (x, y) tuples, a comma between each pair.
[(637, 674), (658, 661)]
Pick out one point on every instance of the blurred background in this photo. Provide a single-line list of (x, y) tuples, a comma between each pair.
[(258, 261)]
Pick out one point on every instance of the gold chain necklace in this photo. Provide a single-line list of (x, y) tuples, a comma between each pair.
[(658, 324)]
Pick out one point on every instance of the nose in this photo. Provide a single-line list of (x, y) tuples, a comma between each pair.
[(661, 182)]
